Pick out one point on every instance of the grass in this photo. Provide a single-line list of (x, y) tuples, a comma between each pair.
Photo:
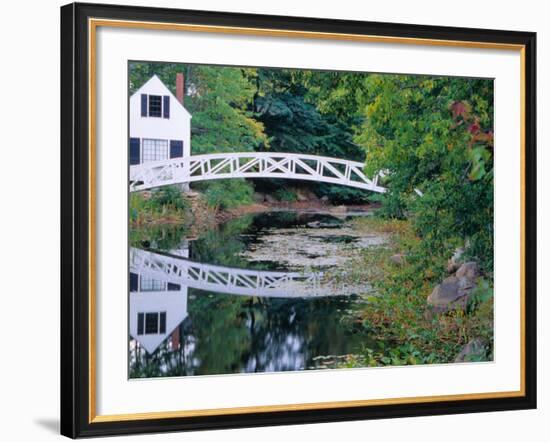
[(164, 205)]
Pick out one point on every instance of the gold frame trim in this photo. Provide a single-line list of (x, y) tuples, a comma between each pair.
[(93, 24)]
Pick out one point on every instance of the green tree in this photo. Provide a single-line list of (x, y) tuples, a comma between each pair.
[(435, 134), (428, 133), (294, 124)]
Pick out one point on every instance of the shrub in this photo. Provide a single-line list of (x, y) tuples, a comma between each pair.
[(165, 201), (169, 196), (227, 194), (286, 195)]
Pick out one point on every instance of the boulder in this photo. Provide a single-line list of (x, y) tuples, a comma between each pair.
[(468, 270), (259, 197), (472, 351), (444, 294), (453, 292), (314, 224), (269, 198), (398, 259)]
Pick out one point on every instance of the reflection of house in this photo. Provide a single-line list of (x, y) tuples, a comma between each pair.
[(160, 126), (156, 309)]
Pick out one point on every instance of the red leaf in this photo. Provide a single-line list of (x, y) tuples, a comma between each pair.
[(459, 109), (474, 127)]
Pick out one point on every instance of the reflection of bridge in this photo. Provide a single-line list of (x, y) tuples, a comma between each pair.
[(251, 165), (159, 287), (174, 270)]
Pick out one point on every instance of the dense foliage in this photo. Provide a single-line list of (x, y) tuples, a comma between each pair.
[(433, 134)]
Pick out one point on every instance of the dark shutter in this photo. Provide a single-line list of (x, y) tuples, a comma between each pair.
[(176, 148), (162, 328), (173, 287), (140, 323), (133, 282), (134, 151), (166, 107), (143, 105)]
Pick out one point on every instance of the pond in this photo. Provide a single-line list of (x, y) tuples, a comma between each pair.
[(259, 293)]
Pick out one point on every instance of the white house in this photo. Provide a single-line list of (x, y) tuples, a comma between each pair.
[(160, 126)]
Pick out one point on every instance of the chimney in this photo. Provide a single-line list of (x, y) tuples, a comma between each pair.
[(175, 338), (180, 87)]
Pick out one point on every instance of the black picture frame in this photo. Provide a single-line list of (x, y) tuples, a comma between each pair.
[(76, 249)]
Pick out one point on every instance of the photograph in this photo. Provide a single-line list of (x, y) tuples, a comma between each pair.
[(287, 219)]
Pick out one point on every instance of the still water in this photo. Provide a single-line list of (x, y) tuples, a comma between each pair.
[(250, 296)]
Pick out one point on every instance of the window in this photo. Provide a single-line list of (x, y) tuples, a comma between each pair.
[(133, 282), (151, 323), (173, 287), (155, 106), (154, 150), (151, 285), (176, 148)]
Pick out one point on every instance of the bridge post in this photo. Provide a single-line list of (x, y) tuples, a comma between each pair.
[(186, 169)]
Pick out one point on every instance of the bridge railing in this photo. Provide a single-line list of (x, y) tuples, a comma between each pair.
[(252, 165)]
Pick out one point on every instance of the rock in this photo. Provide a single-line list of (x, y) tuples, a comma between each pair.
[(302, 196), (269, 199), (259, 197), (398, 259), (455, 291), (191, 194), (472, 351), (325, 199), (468, 270), (445, 293), (319, 225), (452, 293), (454, 263), (339, 209)]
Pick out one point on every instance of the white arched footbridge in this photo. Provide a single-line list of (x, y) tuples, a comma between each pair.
[(230, 280), (251, 165)]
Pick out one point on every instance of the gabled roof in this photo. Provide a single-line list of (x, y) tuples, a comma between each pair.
[(156, 81)]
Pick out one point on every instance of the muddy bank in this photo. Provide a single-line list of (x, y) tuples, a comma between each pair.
[(199, 216)]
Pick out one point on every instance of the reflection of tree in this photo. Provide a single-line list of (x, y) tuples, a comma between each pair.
[(223, 245), (163, 238), (232, 334)]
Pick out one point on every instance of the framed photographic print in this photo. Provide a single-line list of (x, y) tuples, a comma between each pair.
[(275, 220)]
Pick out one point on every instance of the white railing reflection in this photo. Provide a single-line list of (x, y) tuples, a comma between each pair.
[(236, 281)]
